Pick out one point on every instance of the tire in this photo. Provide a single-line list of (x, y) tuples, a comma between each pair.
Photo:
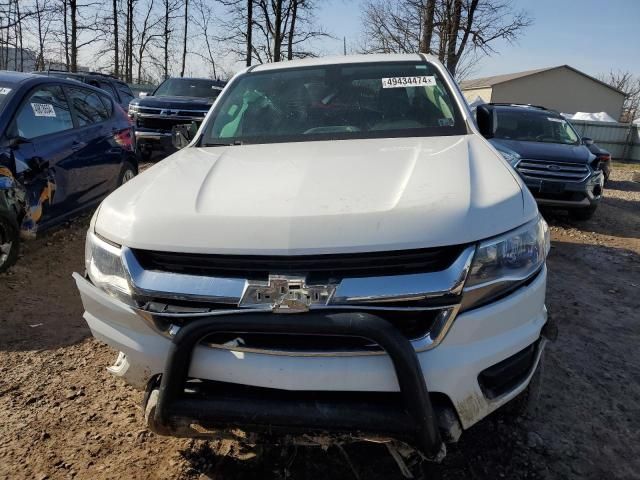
[(583, 214), (9, 241), (127, 173)]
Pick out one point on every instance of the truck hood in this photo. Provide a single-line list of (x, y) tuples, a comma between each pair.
[(185, 103), (547, 151), (319, 197)]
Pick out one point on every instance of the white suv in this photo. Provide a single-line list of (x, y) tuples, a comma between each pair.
[(337, 253)]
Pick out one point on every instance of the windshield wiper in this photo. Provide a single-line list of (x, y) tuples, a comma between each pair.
[(236, 142)]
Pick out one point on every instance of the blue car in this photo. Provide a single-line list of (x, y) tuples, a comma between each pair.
[(64, 146), (547, 152)]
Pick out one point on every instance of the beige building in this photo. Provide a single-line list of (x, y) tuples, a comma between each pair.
[(560, 88)]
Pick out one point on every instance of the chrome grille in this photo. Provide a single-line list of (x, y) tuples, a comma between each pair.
[(553, 170), (421, 301)]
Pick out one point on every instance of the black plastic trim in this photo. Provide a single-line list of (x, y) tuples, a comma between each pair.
[(417, 424)]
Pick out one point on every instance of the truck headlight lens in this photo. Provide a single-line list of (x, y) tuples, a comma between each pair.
[(105, 269), (505, 262), (133, 108)]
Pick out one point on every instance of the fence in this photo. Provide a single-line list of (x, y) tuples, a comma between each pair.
[(622, 140)]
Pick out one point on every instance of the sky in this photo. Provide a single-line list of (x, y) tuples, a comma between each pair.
[(594, 36)]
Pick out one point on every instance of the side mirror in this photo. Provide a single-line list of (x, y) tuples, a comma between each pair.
[(143, 94), (486, 120), (181, 135), (587, 141), (38, 164)]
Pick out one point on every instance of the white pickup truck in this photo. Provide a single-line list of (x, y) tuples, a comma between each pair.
[(337, 253)]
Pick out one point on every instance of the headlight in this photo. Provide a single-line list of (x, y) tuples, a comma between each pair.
[(105, 269), (133, 108), (505, 262), (512, 158)]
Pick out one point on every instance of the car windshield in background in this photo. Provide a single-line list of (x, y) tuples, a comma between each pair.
[(185, 87), (534, 127), (335, 102), (5, 93)]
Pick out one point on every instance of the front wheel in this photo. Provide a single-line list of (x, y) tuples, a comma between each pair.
[(583, 213), (9, 241)]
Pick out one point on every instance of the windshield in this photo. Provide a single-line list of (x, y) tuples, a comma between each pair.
[(188, 87), (5, 93), (379, 100), (534, 127)]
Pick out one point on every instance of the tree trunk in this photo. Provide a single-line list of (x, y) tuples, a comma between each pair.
[(40, 58), (427, 26), (292, 29), (19, 33), (8, 40), (166, 39), (454, 27), (277, 36), (116, 42), (184, 43), (130, 43), (127, 28), (66, 34), (444, 31), (73, 10), (249, 30)]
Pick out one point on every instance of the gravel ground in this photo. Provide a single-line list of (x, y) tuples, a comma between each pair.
[(64, 416)]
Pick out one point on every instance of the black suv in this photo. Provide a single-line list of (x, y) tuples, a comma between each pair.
[(548, 153), (118, 89), (176, 101)]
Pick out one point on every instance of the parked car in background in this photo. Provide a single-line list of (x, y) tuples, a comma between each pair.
[(603, 156), (114, 86), (552, 159), (336, 237), (176, 101), (64, 146)]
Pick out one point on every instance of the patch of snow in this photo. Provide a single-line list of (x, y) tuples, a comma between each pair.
[(475, 102), (636, 121), (594, 117)]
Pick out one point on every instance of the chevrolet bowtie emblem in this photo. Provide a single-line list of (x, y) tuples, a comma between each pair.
[(285, 294)]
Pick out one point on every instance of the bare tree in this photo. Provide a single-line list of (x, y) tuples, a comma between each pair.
[(184, 41), (628, 83), (274, 24), (169, 9), (147, 34), (427, 26), (249, 31), (65, 8), (116, 42), (449, 29), (11, 37), (202, 20), (38, 28)]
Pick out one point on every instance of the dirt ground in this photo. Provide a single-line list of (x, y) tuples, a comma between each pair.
[(62, 415)]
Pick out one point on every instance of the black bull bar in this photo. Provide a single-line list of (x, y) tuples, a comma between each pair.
[(413, 422)]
